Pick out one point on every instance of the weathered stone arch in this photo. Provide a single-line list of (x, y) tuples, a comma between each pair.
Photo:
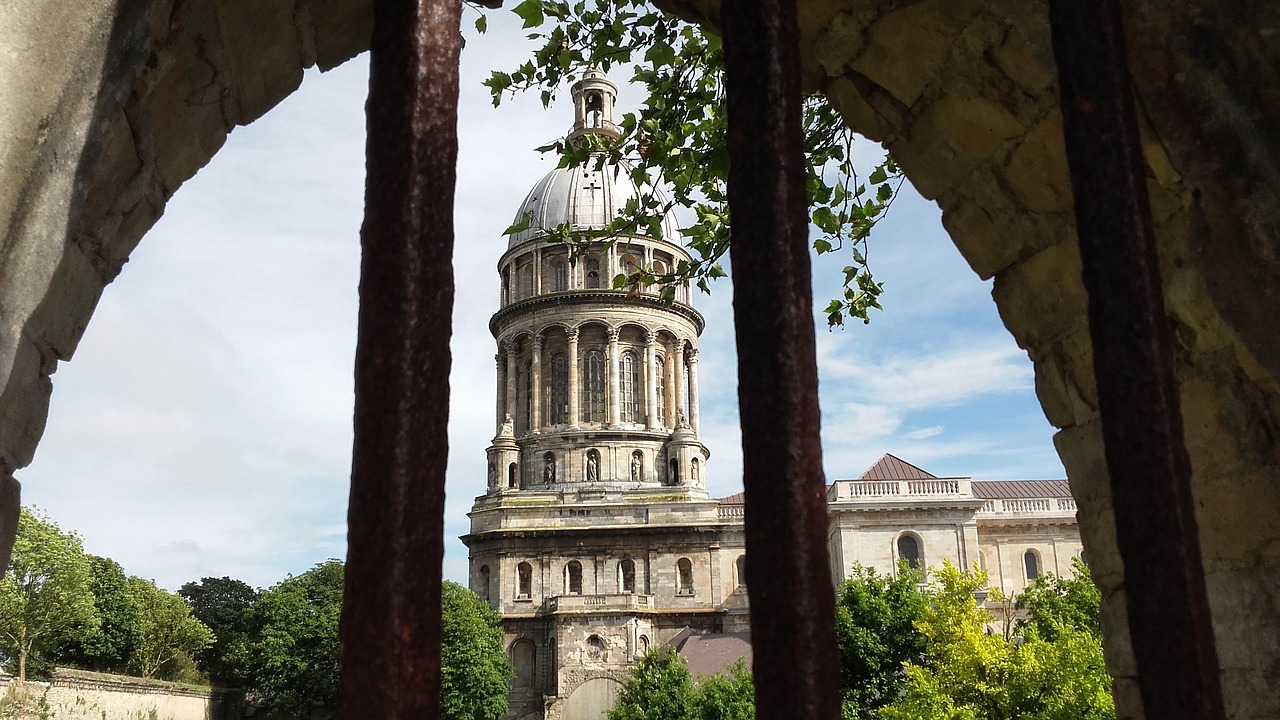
[(111, 105)]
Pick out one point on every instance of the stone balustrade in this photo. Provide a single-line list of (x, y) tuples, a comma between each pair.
[(621, 602), (855, 490)]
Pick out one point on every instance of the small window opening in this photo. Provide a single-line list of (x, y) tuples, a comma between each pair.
[(909, 551), (524, 587), (1032, 564), (511, 475), (627, 576), (573, 578), (684, 577)]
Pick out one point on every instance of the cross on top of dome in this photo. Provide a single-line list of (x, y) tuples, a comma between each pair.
[(593, 98)]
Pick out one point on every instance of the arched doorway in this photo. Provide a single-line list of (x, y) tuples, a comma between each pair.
[(592, 700)]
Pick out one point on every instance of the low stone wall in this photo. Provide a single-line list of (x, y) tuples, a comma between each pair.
[(76, 694)]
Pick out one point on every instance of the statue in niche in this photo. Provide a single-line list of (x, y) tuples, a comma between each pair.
[(493, 474), (593, 466), (508, 427), (637, 466), (549, 470), (693, 472)]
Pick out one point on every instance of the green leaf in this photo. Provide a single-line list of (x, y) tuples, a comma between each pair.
[(822, 246), (878, 176), (530, 11), (482, 23)]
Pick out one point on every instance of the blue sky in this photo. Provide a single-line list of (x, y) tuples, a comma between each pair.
[(203, 427)]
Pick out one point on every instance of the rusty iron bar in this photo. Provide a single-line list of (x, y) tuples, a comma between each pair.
[(390, 626), (1168, 609), (792, 599)]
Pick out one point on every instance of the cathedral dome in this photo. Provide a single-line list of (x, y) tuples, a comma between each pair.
[(585, 198)]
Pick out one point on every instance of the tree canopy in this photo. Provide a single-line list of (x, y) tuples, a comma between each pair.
[(677, 140), (474, 672), (46, 594), (109, 647), (223, 604), (876, 636), (968, 673)]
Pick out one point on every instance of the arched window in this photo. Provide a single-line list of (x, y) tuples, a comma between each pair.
[(526, 280), (630, 388), (593, 273), (558, 407), (674, 476), (684, 577), (1031, 563), (660, 372), (909, 551), (627, 576), (511, 475), (506, 289), (573, 578), (484, 583), (741, 567), (524, 581), (559, 276), (524, 660), (593, 387)]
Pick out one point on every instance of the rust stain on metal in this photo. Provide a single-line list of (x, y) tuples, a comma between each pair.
[(1168, 610), (792, 600), (391, 609)]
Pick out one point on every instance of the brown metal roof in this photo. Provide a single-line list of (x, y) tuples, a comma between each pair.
[(734, 499), (707, 654), (889, 467), (993, 489)]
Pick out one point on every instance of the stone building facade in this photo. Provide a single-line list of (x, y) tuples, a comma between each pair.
[(596, 538)]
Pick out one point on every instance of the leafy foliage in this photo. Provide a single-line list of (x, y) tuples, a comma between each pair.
[(223, 604), (727, 697), (678, 140), (474, 672), (1054, 603), (46, 595), (876, 636), (970, 674), (660, 688), (295, 654), (168, 635), (109, 647)]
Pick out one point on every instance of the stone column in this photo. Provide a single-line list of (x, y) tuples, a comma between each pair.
[(537, 272), (651, 379), (693, 389), (679, 381), (535, 385), (574, 417), (512, 376), (669, 383), (500, 395), (614, 416)]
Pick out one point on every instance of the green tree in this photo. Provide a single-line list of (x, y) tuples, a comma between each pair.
[(1053, 602), (109, 648), (46, 595), (876, 635), (971, 674), (224, 605), (730, 696), (168, 634), (658, 688), (295, 654), (474, 672), (678, 140)]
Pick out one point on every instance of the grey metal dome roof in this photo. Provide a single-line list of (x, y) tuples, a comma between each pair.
[(585, 197)]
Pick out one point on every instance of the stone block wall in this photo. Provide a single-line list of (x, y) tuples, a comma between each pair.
[(80, 695)]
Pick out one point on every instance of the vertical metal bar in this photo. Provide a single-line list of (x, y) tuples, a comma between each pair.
[(1169, 621), (391, 610), (792, 599)]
